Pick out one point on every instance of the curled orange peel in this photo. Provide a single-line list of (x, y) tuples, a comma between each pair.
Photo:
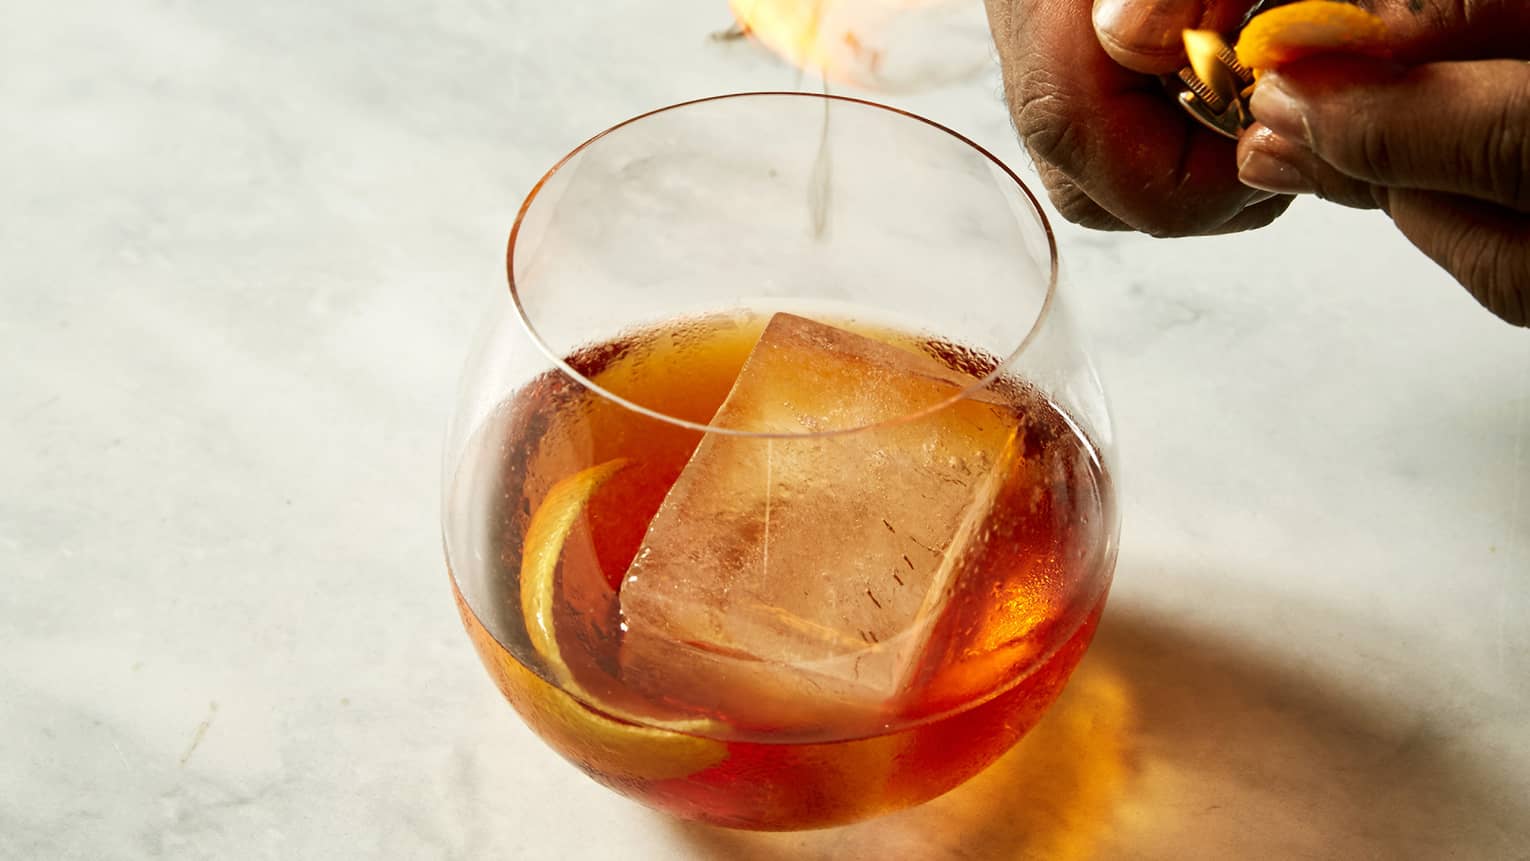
[(603, 737), (1296, 31)]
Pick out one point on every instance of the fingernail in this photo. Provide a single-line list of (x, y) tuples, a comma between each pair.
[(1267, 172), (1144, 28), (1277, 108)]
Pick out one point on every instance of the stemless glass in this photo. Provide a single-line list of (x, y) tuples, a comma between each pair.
[(779, 495)]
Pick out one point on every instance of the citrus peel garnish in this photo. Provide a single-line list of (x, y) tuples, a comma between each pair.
[(543, 547), (1293, 32), (605, 748), (606, 739)]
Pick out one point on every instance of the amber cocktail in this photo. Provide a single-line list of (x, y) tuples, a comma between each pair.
[(781, 498)]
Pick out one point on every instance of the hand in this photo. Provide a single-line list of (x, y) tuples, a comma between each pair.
[(1113, 148), (1442, 147)]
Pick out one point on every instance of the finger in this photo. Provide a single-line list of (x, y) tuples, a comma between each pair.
[(1454, 127), (1428, 31), (1486, 247), (1146, 35), (1073, 204), (1260, 214), (1107, 129), (1274, 163)]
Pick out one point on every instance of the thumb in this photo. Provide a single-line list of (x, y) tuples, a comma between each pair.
[(1147, 35), (1462, 128)]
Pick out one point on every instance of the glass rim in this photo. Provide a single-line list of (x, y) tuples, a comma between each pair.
[(1042, 314)]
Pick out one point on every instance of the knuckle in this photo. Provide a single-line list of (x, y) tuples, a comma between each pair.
[(1074, 205), (1069, 200), (1495, 268), (1044, 118), (1507, 144), (1372, 152)]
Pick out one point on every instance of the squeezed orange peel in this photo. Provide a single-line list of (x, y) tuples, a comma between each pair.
[(1289, 33), (618, 746)]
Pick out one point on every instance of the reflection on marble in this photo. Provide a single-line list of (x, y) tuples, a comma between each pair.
[(242, 248), (1176, 742), (1053, 796)]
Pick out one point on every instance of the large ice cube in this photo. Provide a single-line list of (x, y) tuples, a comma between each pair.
[(790, 583)]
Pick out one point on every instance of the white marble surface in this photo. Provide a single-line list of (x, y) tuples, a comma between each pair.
[(242, 246)]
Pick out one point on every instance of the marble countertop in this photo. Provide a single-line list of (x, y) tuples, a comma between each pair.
[(242, 248)]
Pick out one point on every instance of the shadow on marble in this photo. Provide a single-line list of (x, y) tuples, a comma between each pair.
[(1173, 743)]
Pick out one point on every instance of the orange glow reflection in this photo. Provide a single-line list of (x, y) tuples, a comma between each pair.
[(1053, 796)]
